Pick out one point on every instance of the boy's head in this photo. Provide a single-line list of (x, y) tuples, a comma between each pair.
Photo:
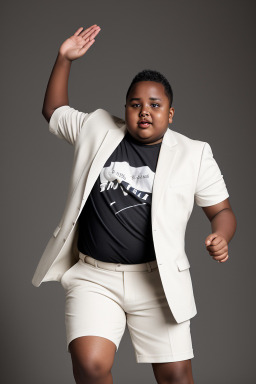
[(149, 98)]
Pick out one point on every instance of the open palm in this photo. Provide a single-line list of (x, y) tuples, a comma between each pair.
[(79, 43)]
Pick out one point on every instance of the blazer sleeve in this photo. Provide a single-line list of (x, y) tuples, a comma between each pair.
[(67, 122), (210, 187)]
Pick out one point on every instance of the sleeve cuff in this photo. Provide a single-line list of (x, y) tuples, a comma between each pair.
[(53, 122), (201, 202)]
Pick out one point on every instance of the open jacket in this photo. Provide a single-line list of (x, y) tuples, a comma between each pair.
[(186, 172)]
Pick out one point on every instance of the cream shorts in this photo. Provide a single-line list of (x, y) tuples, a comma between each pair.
[(102, 297)]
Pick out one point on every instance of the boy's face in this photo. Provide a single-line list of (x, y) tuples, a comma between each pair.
[(147, 101)]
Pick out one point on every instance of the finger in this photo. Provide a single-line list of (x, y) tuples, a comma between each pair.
[(95, 30), (86, 46), (88, 30), (94, 34), (222, 261), (218, 252), (90, 37), (216, 246), (78, 31), (81, 33), (218, 258), (216, 241), (90, 34)]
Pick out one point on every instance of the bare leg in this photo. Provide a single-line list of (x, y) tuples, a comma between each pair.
[(92, 359), (178, 372)]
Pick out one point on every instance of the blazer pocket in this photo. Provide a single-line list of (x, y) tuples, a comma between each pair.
[(56, 231), (182, 264)]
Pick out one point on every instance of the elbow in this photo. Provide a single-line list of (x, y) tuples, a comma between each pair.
[(47, 115), (44, 114)]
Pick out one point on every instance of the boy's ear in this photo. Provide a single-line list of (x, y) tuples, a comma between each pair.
[(171, 114)]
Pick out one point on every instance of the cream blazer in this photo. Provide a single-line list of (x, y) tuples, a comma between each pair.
[(186, 172)]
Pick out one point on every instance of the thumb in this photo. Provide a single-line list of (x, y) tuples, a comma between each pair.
[(209, 239)]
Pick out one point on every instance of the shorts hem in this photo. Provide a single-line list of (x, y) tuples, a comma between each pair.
[(75, 336), (164, 358)]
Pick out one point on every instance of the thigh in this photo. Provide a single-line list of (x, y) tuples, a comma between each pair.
[(155, 334), (92, 354), (92, 309)]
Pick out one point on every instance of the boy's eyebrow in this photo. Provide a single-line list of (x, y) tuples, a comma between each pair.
[(151, 98)]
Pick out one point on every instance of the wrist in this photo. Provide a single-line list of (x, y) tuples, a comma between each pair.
[(222, 234), (63, 59)]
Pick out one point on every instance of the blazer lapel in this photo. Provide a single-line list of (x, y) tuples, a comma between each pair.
[(165, 164), (111, 140)]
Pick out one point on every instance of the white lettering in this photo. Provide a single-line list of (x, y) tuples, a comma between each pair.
[(103, 187), (125, 193)]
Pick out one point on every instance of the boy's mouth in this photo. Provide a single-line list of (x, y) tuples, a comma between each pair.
[(144, 124)]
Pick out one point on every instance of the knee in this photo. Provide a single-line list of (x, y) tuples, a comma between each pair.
[(174, 373), (180, 376), (90, 370)]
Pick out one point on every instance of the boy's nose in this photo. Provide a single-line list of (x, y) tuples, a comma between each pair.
[(144, 112)]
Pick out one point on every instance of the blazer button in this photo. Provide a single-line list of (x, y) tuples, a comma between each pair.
[(64, 240)]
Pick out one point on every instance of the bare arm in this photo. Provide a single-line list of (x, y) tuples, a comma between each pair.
[(223, 224), (56, 93), (222, 219), (74, 47)]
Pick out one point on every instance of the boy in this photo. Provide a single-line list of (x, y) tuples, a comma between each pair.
[(132, 190)]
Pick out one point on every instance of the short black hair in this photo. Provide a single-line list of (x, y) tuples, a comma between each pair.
[(152, 75)]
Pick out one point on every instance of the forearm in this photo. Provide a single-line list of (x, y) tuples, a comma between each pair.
[(224, 223), (56, 93)]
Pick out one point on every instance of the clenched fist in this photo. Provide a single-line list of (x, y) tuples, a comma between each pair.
[(217, 247)]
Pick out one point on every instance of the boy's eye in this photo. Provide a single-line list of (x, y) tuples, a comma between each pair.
[(153, 104)]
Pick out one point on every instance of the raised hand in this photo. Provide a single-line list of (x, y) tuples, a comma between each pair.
[(79, 43)]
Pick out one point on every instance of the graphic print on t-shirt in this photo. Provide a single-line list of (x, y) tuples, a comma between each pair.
[(136, 181)]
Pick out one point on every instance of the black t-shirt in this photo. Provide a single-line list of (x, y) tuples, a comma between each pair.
[(115, 223)]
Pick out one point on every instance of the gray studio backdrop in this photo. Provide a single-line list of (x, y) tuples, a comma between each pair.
[(207, 51)]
